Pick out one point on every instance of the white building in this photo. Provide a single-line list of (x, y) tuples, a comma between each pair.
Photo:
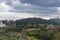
[(1, 24), (50, 26)]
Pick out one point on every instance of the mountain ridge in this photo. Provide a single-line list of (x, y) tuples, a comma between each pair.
[(38, 21)]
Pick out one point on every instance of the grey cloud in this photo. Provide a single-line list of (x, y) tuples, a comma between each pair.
[(45, 3), (9, 2), (2, 1), (38, 7), (34, 9)]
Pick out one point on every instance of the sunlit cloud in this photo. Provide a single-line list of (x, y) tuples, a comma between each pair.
[(4, 7)]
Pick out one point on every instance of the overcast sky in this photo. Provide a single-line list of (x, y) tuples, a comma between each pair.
[(18, 9)]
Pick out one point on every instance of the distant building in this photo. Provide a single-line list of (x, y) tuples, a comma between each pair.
[(50, 26), (31, 29), (11, 24), (1, 24)]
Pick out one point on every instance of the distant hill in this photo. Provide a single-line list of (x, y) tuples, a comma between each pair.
[(38, 21), (55, 21)]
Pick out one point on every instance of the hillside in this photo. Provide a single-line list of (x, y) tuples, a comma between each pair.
[(38, 21)]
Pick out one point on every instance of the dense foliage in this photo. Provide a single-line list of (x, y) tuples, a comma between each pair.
[(31, 29)]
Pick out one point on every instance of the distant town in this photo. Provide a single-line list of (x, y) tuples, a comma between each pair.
[(30, 29)]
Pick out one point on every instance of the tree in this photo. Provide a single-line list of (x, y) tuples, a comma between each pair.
[(19, 28), (45, 35)]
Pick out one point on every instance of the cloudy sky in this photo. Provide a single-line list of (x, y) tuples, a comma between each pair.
[(18, 9)]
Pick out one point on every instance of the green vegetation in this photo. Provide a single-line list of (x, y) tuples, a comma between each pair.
[(33, 38), (35, 32), (30, 29)]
